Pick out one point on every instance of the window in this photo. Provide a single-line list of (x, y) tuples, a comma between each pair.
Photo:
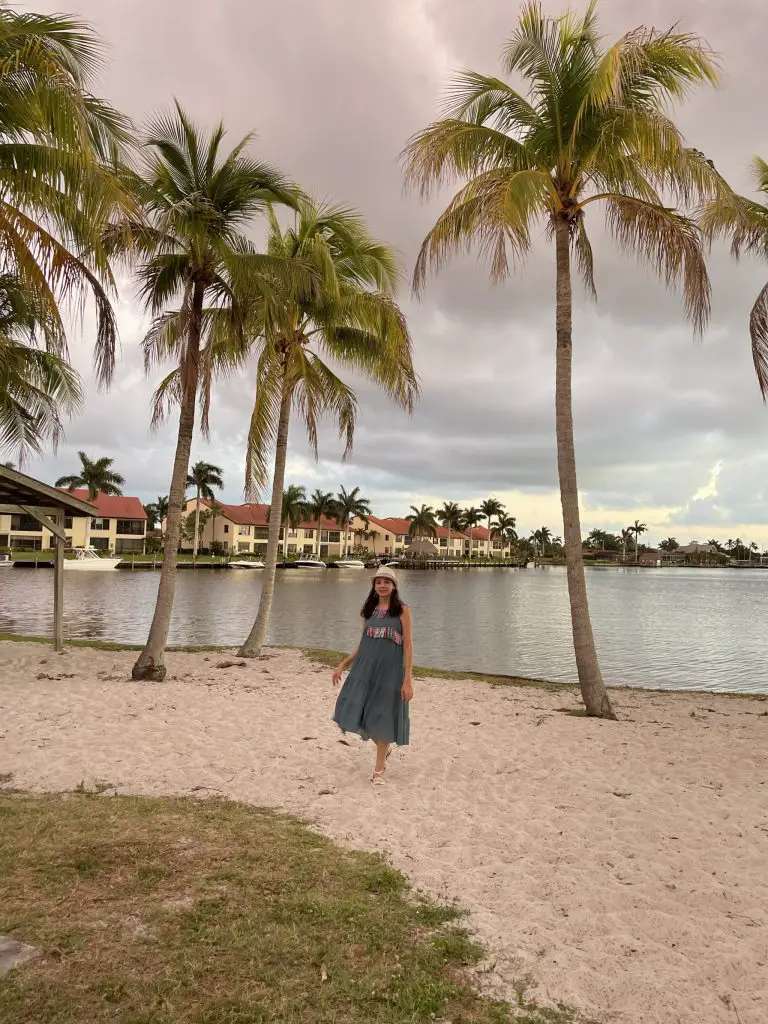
[(27, 543), (244, 546), (400, 538), (99, 524), (386, 536), (128, 545), (443, 542), (262, 532), (100, 543), (244, 531), (226, 527), (26, 524), (67, 522), (291, 549), (334, 537), (293, 533), (130, 527), (309, 535), (308, 549)]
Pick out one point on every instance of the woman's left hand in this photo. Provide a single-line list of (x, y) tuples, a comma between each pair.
[(406, 691)]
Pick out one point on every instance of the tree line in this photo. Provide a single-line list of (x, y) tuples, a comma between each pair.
[(85, 191)]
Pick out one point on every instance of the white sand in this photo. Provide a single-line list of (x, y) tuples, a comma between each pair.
[(624, 866)]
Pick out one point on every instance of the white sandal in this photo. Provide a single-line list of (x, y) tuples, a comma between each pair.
[(378, 778)]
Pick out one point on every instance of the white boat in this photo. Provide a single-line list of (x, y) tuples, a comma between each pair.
[(245, 564), (350, 563), (87, 560), (5, 563), (310, 562)]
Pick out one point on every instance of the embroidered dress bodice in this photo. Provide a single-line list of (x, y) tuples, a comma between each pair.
[(383, 626)]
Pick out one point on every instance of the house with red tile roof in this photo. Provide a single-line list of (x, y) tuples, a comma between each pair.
[(243, 529), (119, 527)]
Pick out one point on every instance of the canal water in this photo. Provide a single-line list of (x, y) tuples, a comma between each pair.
[(665, 628)]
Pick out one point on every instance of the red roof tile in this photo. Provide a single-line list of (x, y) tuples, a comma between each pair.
[(110, 506), (255, 514)]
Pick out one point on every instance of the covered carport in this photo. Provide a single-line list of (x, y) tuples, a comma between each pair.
[(23, 495)]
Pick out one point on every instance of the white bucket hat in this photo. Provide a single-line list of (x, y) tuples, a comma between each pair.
[(385, 573)]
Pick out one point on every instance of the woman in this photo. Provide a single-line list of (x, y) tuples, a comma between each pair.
[(374, 699)]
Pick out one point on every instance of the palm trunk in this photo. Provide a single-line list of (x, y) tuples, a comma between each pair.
[(149, 664), (448, 552), (197, 525), (255, 641), (590, 678)]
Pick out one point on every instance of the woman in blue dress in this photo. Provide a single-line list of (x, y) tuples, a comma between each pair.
[(374, 699)]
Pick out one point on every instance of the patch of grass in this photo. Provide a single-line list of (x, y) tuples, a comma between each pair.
[(332, 658), (173, 910)]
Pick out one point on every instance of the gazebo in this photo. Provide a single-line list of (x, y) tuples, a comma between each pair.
[(23, 495)]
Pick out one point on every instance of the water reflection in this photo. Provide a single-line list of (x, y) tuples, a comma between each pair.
[(672, 628)]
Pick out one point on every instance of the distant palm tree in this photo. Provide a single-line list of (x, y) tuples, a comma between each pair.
[(637, 528), (350, 505), (470, 519), (752, 547), (505, 529), (592, 128), (543, 536), (626, 536), (95, 476), (715, 544), (423, 521), (490, 508), (322, 505), (294, 511), (670, 544), (449, 516), (204, 477)]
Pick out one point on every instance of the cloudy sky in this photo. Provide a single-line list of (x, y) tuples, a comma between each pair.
[(668, 430)]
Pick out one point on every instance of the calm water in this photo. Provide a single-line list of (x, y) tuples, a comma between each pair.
[(671, 628)]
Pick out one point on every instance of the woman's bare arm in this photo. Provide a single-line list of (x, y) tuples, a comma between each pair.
[(408, 652), (344, 665)]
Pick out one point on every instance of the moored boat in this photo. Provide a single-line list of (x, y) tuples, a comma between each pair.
[(88, 560)]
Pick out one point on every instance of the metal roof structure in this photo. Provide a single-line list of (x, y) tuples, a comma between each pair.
[(23, 495)]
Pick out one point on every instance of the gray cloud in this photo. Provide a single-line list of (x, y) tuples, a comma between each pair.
[(333, 89)]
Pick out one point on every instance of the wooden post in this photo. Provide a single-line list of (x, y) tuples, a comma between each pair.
[(58, 588)]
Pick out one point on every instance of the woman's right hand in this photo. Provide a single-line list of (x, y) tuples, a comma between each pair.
[(337, 675)]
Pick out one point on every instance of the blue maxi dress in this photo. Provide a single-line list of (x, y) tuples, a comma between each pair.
[(370, 702)]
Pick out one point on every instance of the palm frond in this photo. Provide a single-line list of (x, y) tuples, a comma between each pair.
[(758, 329)]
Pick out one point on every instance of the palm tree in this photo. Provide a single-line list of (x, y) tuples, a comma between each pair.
[(505, 530), (626, 534), (59, 144), (746, 222), (349, 316), (294, 511), (95, 475), (449, 516), (670, 544), (321, 505), (349, 506), (637, 528), (470, 518), (38, 387), (491, 507), (204, 477), (593, 127), (543, 536), (423, 521), (191, 248)]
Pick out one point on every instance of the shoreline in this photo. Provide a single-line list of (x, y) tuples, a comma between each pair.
[(620, 864), (329, 658)]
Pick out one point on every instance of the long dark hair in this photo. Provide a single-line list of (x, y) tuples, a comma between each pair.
[(372, 603)]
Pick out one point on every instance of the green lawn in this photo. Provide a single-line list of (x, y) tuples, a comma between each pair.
[(163, 911)]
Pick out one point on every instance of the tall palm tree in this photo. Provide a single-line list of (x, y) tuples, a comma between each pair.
[(349, 316), (505, 530), (470, 518), (321, 505), (294, 511), (96, 475), (58, 146), (490, 508), (449, 516), (423, 522), (191, 249), (350, 505), (746, 222), (38, 387), (204, 477), (637, 529), (593, 128)]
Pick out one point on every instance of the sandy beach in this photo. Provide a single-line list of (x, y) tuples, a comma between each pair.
[(621, 866)]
